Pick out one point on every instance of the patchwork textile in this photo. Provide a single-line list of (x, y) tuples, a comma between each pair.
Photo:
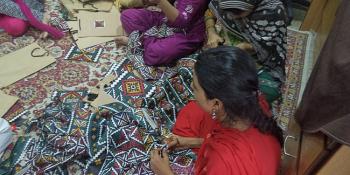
[(172, 89), (162, 31), (60, 23), (172, 93), (69, 136), (72, 138), (128, 87), (91, 54)]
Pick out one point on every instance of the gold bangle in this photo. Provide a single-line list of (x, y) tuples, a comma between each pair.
[(208, 17)]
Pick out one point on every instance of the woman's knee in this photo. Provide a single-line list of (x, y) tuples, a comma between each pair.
[(160, 52), (153, 55), (127, 15), (129, 19), (151, 59), (13, 26)]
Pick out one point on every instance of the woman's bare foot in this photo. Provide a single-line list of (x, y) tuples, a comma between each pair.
[(43, 35), (122, 40)]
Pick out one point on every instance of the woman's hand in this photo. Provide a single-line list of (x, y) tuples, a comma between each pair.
[(160, 162), (179, 142), (213, 40), (246, 47), (173, 141), (43, 35), (154, 8)]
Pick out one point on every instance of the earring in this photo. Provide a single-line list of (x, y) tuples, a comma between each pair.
[(213, 115)]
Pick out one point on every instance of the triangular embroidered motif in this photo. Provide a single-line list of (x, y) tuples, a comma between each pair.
[(91, 54)]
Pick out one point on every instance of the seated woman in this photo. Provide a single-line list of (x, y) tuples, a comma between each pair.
[(185, 19), (262, 24), (17, 15), (239, 137)]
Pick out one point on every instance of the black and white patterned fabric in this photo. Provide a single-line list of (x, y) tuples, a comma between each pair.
[(265, 28)]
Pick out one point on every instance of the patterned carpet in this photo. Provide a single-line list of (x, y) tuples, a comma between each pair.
[(298, 69), (35, 92)]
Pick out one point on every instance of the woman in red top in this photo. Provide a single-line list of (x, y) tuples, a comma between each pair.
[(239, 137)]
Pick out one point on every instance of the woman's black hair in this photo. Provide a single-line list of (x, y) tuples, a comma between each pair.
[(230, 75)]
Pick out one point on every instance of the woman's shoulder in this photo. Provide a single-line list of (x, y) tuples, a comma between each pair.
[(224, 140), (246, 149), (251, 142), (254, 139), (228, 153)]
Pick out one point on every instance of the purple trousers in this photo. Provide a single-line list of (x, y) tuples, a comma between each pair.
[(160, 51)]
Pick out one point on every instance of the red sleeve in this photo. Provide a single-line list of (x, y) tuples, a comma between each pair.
[(193, 121), (188, 121)]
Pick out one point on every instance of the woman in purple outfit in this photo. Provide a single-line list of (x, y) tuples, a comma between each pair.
[(185, 21)]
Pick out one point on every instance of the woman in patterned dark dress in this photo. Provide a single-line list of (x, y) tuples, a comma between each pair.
[(262, 26)]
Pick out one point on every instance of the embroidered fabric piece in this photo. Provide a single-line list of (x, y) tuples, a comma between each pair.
[(91, 54), (130, 89), (161, 31), (116, 139), (74, 138), (60, 23)]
